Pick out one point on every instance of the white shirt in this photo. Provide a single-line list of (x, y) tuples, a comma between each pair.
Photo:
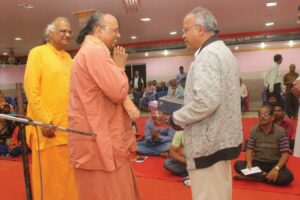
[(243, 90), (272, 76), (136, 82)]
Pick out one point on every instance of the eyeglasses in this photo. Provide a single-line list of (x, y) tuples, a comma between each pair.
[(65, 31), (264, 114), (185, 30)]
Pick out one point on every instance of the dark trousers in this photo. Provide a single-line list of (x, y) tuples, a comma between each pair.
[(243, 102), (177, 168), (292, 105), (137, 95), (285, 177)]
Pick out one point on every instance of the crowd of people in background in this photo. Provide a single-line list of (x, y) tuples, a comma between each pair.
[(10, 145), (142, 94)]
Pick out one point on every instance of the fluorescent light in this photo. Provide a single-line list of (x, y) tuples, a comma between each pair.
[(146, 19), (166, 52), (270, 24), (133, 37), (271, 4), (146, 54), (291, 43), (236, 47), (18, 39), (5, 53), (26, 6), (173, 33), (262, 45)]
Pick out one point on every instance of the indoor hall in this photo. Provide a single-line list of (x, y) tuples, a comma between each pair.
[(151, 32)]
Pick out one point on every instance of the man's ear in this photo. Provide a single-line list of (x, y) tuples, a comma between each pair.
[(200, 30), (98, 31)]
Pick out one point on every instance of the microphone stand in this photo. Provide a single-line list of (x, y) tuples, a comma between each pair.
[(22, 123), (26, 121)]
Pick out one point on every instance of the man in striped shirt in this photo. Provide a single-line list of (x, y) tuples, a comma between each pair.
[(267, 148)]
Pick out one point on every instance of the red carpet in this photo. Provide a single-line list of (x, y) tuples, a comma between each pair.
[(12, 184), (152, 167), (248, 123), (12, 180)]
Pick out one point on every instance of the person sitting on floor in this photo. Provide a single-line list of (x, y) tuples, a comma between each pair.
[(158, 136), (162, 87), (149, 95), (6, 130), (272, 100), (267, 148), (14, 144), (176, 162), (285, 122)]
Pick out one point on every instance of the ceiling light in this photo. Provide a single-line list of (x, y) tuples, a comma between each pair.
[(236, 47), (291, 43), (146, 19), (146, 54), (262, 45), (133, 37), (26, 6), (131, 5), (5, 53), (270, 24), (271, 4), (173, 33), (18, 39), (166, 52)]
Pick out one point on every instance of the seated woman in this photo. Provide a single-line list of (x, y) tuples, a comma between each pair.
[(158, 137)]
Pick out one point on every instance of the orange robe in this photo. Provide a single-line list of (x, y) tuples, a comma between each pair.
[(46, 83), (98, 89)]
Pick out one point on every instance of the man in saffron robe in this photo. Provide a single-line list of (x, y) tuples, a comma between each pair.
[(46, 82), (98, 103)]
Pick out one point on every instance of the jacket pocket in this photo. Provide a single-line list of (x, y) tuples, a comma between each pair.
[(201, 140)]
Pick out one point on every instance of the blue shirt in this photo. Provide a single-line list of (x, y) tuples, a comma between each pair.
[(165, 134)]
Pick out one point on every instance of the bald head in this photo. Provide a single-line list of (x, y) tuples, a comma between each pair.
[(109, 33)]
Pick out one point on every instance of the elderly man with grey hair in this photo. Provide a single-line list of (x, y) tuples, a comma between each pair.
[(46, 82), (211, 115)]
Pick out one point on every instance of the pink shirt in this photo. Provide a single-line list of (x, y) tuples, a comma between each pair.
[(97, 91)]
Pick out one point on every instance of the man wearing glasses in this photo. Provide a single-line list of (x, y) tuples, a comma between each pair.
[(46, 82), (211, 115), (267, 148)]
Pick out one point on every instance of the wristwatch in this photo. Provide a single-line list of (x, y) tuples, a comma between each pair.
[(277, 168)]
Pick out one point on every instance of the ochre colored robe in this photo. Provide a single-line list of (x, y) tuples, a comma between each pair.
[(98, 89), (46, 83)]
